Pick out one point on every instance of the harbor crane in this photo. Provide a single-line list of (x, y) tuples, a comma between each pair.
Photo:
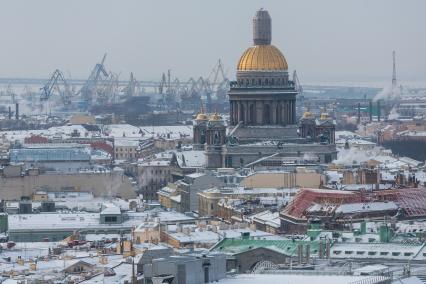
[(54, 85), (99, 73)]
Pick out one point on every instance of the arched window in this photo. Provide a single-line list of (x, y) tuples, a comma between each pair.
[(252, 82), (272, 81), (260, 82)]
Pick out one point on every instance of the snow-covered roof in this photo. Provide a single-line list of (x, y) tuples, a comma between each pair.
[(291, 278), (191, 159), (378, 251), (111, 209), (75, 221), (366, 207), (126, 142), (168, 132), (268, 218)]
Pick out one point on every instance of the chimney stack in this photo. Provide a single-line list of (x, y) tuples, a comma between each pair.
[(17, 111), (378, 110), (359, 113), (371, 110)]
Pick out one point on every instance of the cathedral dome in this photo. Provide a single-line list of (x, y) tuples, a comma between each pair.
[(262, 58), (201, 116), (215, 117)]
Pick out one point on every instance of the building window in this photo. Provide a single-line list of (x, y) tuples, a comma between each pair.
[(110, 219)]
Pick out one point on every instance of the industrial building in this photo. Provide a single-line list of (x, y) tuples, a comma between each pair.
[(67, 158)]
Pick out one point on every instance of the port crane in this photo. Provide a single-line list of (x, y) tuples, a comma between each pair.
[(99, 73), (53, 85), (213, 88)]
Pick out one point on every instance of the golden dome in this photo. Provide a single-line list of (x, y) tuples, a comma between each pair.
[(201, 116), (262, 57), (215, 117), (324, 116), (307, 114)]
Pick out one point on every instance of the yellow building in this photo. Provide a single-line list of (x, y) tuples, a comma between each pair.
[(301, 178), (147, 232)]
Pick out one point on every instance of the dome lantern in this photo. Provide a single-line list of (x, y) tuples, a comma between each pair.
[(262, 31)]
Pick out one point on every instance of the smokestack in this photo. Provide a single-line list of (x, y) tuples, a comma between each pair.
[(371, 110), (359, 113), (393, 72), (17, 111), (262, 34), (378, 110), (10, 113)]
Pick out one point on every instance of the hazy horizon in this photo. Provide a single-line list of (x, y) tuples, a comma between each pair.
[(327, 40)]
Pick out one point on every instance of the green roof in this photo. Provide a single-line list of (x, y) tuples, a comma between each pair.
[(285, 246)]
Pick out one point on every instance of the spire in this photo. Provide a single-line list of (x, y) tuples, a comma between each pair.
[(262, 28), (201, 106), (201, 114)]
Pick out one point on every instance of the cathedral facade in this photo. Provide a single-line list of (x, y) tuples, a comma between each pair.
[(262, 118)]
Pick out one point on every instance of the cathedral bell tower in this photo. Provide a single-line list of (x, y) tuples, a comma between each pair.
[(200, 130), (215, 141)]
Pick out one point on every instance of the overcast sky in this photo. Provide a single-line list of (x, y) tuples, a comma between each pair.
[(327, 40)]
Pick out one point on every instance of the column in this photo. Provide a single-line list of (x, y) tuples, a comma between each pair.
[(281, 104), (231, 111), (239, 111), (235, 112), (274, 119), (246, 111), (287, 112), (258, 109)]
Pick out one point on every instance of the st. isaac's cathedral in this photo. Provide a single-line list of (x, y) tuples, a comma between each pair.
[(263, 127)]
